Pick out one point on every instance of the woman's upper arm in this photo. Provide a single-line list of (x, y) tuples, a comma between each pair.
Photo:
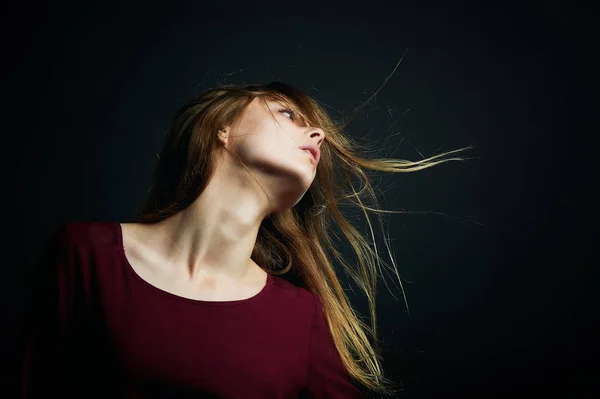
[(49, 321), (327, 376)]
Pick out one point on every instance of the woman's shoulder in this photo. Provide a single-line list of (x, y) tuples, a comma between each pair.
[(294, 294), (84, 233)]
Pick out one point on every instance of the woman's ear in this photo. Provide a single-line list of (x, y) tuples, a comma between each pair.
[(223, 135)]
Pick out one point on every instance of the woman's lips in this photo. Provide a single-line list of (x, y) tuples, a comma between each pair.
[(313, 150), (311, 155)]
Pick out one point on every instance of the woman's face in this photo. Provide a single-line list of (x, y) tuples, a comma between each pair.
[(269, 145)]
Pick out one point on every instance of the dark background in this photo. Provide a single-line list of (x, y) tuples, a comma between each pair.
[(498, 249)]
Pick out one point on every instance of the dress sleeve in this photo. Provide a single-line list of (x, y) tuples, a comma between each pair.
[(47, 361), (327, 376)]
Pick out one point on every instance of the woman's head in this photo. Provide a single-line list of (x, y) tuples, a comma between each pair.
[(248, 131), (264, 145), (255, 131)]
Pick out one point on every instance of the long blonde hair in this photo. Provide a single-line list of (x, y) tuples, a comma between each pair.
[(295, 244)]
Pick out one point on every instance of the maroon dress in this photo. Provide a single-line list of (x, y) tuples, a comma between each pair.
[(96, 329)]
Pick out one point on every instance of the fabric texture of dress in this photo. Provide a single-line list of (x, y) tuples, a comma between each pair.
[(96, 329)]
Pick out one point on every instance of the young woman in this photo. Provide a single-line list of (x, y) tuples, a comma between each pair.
[(223, 284)]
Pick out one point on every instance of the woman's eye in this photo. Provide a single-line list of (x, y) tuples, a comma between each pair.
[(289, 111)]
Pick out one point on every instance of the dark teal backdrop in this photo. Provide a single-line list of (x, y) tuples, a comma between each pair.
[(497, 252)]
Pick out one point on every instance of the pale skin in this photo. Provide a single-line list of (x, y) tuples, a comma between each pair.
[(204, 251)]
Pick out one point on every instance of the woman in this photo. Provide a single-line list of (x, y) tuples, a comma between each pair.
[(223, 284)]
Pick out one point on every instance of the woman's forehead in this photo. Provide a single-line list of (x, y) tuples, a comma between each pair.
[(278, 101)]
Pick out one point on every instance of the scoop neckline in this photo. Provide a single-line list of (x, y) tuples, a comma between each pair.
[(123, 255)]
